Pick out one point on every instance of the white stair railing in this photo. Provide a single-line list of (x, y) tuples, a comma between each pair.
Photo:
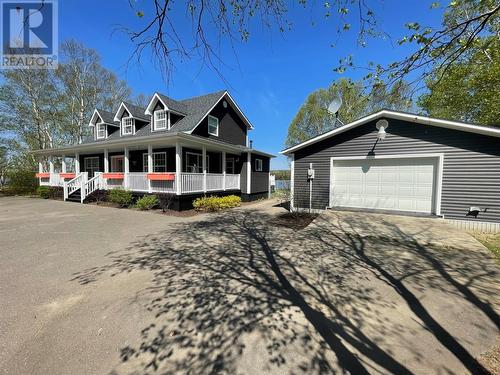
[(92, 185), (73, 185)]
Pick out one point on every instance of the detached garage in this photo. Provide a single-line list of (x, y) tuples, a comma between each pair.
[(402, 163)]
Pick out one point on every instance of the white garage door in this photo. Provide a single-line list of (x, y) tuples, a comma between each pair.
[(387, 184)]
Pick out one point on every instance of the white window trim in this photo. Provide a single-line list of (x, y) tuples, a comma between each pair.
[(208, 125), (105, 130), (257, 167), (114, 157), (207, 162), (86, 159), (99, 124), (167, 120), (145, 161), (123, 125), (232, 162)]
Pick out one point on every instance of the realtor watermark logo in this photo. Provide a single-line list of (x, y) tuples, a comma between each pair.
[(28, 34)]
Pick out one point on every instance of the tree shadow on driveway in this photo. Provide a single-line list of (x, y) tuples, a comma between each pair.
[(232, 291)]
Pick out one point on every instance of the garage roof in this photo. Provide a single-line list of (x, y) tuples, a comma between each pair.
[(410, 117)]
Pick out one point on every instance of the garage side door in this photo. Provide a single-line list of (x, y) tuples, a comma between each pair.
[(388, 184)]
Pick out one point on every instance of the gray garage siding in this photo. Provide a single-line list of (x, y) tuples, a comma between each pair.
[(471, 170)]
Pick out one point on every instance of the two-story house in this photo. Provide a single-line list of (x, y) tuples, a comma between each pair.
[(187, 147)]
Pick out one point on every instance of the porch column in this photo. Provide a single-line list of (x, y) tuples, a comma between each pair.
[(77, 163), (40, 165), (178, 168), (126, 167), (106, 161), (51, 164), (63, 163), (204, 167), (223, 170), (150, 166), (249, 173)]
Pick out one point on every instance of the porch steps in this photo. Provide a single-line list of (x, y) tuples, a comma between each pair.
[(75, 196)]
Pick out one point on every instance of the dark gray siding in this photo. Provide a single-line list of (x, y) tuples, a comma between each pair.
[(231, 127), (471, 170), (260, 180)]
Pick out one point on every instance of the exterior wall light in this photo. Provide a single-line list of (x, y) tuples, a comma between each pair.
[(381, 126)]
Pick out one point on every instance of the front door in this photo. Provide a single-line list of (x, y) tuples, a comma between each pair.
[(91, 165)]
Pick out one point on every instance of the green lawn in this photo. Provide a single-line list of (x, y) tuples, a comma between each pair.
[(491, 241)]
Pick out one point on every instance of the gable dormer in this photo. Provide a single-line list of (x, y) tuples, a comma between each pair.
[(103, 124), (131, 118), (164, 112)]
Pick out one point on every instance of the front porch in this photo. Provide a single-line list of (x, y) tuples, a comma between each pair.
[(180, 170)]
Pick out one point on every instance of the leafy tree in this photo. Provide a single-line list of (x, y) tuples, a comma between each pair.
[(215, 23), (42, 108), (85, 85), (313, 118), (467, 90), (29, 107)]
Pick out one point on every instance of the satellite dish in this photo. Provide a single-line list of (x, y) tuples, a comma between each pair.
[(335, 105)]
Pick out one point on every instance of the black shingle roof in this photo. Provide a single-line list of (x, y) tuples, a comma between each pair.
[(136, 111), (173, 104), (194, 110), (107, 117)]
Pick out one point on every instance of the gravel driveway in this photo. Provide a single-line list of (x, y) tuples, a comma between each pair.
[(94, 290)]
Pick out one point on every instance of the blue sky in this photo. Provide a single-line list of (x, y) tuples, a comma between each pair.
[(269, 76)]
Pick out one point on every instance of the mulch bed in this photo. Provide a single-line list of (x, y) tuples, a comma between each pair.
[(293, 220)]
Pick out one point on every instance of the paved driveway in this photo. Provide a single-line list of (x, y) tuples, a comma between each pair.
[(95, 290)]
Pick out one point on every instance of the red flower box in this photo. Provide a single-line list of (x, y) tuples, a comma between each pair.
[(161, 176), (67, 175), (113, 176), (43, 175)]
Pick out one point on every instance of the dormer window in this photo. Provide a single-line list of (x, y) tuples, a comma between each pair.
[(127, 126), (160, 120), (101, 131), (213, 125)]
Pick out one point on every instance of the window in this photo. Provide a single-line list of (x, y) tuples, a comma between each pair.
[(159, 162), (117, 163), (101, 131), (127, 125), (160, 120), (230, 165), (193, 162), (144, 162), (91, 165), (213, 125), (258, 165)]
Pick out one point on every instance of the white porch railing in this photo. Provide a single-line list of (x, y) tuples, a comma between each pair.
[(92, 185), (232, 182), (191, 182), (138, 181), (215, 181)]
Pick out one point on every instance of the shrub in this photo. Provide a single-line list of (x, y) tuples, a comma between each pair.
[(121, 197), (214, 203), (147, 202), (21, 181), (44, 192), (98, 196), (165, 200)]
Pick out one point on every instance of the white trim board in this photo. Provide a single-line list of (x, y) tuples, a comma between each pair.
[(438, 173), (484, 130), (235, 106)]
